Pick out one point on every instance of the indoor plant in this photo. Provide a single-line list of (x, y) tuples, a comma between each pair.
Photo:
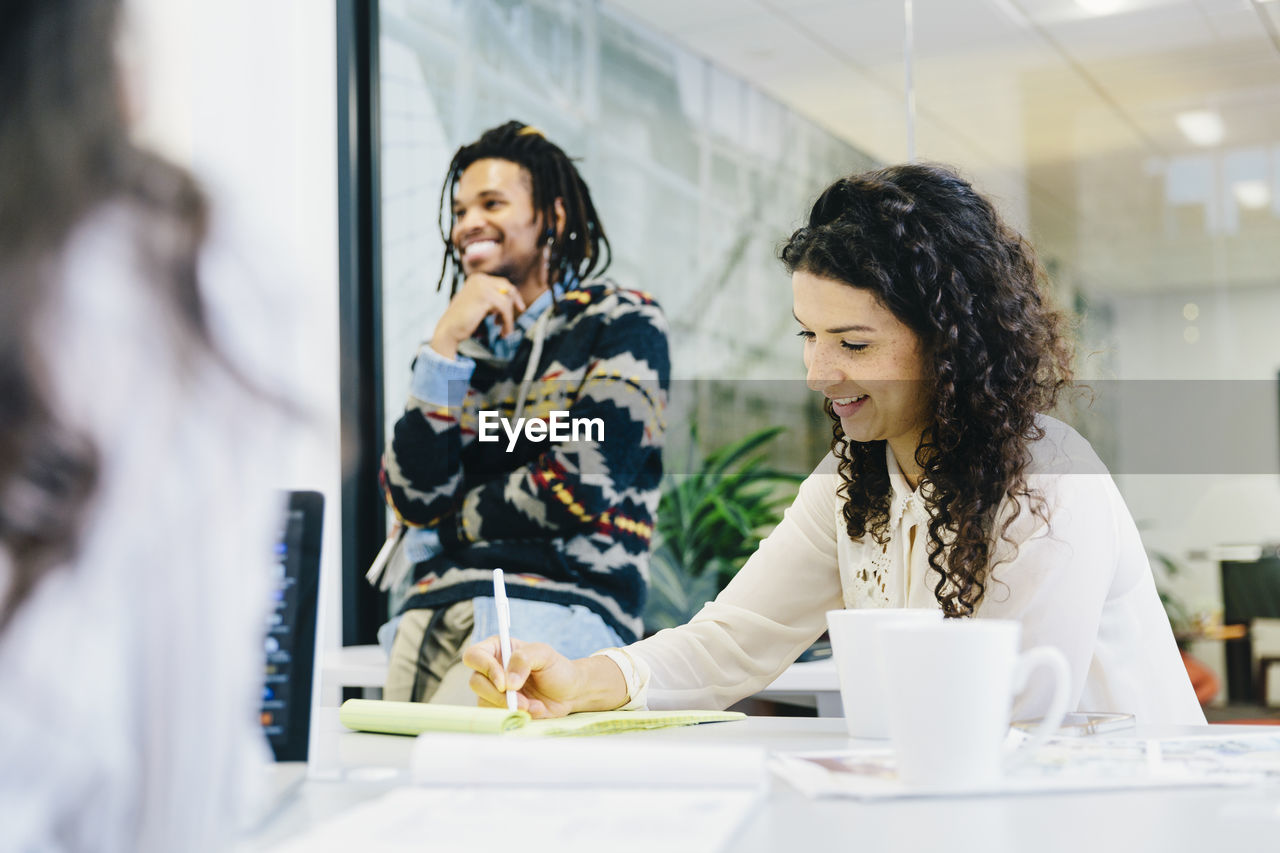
[(709, 521)]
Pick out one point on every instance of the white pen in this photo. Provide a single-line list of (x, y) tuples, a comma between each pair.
[(504, 630)]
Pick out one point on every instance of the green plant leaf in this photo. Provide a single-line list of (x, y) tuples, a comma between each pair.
[(725, 457), (710, 521)]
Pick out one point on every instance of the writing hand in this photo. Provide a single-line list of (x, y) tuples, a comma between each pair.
[(547, 682)]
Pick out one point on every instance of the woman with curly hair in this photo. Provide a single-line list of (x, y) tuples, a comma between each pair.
[(947, 485)]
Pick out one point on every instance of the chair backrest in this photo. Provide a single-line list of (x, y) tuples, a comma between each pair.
[(1250, 590), (291, 631)]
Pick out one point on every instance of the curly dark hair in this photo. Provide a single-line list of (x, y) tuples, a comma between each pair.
[(65, 152), (582, 249), (938, 256)]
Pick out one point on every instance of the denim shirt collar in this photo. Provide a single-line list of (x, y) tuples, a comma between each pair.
[(505, 348)]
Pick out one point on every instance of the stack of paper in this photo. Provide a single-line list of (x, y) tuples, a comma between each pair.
[(530, 820), (411, 718), (624, 795), (445, 759)]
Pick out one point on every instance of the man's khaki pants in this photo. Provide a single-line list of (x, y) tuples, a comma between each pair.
[(426, 657)]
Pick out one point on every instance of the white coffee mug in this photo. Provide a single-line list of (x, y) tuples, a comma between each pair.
[(855, 646), (950, 687)]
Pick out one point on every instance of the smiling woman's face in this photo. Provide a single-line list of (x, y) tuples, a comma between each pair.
[(867, 362)]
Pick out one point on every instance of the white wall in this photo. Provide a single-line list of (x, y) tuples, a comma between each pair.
[(243, 93), (1232, 346), (1230, 350)]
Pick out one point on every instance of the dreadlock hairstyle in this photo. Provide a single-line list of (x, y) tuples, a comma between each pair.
[(938, 256), (64, 153), (582, 249)]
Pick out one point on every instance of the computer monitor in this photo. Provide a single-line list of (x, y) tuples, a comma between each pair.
[(291, 628)]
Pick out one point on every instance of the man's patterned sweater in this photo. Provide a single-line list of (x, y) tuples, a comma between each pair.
[(568, 522)]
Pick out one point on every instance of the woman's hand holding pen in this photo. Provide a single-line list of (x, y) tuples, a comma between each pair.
[(548, 684)]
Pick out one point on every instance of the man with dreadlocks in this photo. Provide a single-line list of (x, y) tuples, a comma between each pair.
[(528, 333)]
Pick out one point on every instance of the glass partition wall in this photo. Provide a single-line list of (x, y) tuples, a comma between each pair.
[(1141, 138), (1137, 142), (697, 175)]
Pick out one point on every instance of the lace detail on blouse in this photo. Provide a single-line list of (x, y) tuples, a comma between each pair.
[(880, 576)]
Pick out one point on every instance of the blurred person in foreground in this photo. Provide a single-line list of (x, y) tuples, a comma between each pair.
[(135, 523)]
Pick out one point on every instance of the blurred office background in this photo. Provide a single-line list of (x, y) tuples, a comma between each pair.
[(1137, 142)]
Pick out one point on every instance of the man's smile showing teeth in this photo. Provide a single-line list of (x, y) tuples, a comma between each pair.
[(479, 249)]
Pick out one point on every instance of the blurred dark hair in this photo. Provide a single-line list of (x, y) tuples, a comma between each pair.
[(938, 256), (64, 154), (582, 249)]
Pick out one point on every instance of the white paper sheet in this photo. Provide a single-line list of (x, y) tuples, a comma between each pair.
[(1063, 764), (458, 759), (558, 820)]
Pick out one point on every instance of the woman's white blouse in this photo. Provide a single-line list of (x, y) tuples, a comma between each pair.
[(1080, 583)]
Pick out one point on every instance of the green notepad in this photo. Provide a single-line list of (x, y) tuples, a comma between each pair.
[(413, 718)]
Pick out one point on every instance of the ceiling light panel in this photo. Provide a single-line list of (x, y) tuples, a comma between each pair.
[(1201, 127)]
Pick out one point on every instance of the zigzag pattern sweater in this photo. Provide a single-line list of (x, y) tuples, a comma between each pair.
[(568, 522)]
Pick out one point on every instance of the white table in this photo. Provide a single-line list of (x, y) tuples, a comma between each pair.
[(350, 768), (813, 684), (363, 667)]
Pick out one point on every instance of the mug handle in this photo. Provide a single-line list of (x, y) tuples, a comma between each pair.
[(1056, 662)]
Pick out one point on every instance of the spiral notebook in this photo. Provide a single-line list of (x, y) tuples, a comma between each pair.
[(413, 718)]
